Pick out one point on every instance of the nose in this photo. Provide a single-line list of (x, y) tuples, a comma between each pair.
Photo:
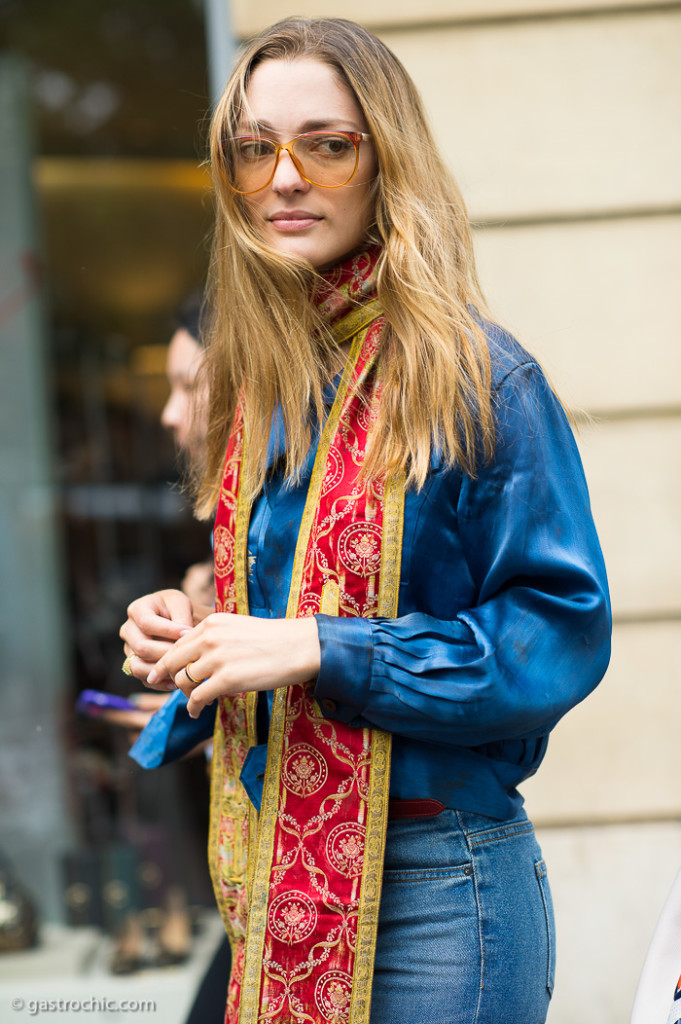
[(169, 414), (174, 415), (287, 178)]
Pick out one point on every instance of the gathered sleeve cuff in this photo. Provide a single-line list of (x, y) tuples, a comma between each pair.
[(344, 679)]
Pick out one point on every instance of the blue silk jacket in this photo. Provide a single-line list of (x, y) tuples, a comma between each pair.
[(503, 620)]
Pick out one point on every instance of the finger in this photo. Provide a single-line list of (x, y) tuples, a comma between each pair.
[(127, 719), (135, 666), (139, 645), (178, 608), (164, 683), (132, 655), (185, 650), (141, 670), (164, 614), (189, 677), (149, 701), (150, 628), (202, 696)]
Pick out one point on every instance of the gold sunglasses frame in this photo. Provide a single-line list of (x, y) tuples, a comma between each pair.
[(357, 138)]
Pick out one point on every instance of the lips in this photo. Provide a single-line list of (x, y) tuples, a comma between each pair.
[(293, 220)]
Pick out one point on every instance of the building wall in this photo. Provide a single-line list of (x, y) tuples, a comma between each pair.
[(562, 123)]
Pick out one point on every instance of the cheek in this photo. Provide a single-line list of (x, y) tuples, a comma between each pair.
[(252, 208), (358, 213)]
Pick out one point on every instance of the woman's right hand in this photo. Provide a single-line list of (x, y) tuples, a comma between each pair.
[(153, 625)]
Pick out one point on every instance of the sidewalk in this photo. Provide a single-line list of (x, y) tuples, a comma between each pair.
[(66, 980)]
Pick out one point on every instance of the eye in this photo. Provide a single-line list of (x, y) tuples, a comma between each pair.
[(329, 146), (251, 149)]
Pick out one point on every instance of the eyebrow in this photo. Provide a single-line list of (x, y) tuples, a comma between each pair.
[(314, 125)]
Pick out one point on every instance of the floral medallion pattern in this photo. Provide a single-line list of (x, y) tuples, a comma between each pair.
[(314, 870)]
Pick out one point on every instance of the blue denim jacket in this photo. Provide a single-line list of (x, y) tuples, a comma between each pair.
[(503, 621)]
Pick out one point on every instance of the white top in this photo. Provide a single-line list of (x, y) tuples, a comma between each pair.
[(659, 981)]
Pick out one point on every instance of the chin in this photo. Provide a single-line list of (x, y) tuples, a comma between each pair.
[(321, 256), (298, 248)]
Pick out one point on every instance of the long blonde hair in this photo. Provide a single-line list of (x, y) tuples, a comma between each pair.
[(267, 344)]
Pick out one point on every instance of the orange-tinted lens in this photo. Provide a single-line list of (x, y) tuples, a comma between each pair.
[(327, 159), (250, 163)]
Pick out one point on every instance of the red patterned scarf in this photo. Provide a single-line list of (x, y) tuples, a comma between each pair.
[(299, 885)]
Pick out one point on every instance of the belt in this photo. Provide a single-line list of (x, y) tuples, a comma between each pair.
[(426, 808)]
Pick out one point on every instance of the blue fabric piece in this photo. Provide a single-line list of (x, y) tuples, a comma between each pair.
[(503, 620), (171, 733), (253, 774)]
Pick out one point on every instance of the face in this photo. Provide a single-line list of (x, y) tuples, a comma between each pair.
[(182, 365), (321, 225)]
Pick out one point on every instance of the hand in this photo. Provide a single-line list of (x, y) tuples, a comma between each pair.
[(153, 625), (230, 654), (147, 704), (134, 721)]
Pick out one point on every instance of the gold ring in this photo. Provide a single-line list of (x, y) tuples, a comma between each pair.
[(189, 676), (126, 664)]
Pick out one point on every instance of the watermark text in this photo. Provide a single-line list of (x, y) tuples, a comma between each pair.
[(93, 1004)]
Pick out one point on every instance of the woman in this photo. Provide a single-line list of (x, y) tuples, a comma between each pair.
[(403, 530), (184, 415), (181, 415)]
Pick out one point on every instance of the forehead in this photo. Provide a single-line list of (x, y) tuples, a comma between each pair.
[(289, 94), (184, 354)]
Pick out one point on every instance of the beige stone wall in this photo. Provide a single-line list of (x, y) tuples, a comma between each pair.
[(598, 300), (562, 123), (564, 116), (250, 17)]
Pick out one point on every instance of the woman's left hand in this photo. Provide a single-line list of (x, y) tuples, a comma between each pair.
[(230, 654)]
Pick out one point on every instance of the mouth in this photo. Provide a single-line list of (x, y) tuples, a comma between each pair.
[(293, 220)]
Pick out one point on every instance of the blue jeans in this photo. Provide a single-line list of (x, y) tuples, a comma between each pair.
[(465, 932)]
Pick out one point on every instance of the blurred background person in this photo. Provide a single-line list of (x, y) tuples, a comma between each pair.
[(182, 415), (186, 418)]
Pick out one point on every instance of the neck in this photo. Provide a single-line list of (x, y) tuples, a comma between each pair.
[(347, 285), (340, 294)]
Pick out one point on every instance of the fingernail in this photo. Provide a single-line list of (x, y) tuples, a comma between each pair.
[(152, 677), (185, 630)]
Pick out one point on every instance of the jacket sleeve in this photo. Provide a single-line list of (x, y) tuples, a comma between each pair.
[(170, 733), (535, 639)]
